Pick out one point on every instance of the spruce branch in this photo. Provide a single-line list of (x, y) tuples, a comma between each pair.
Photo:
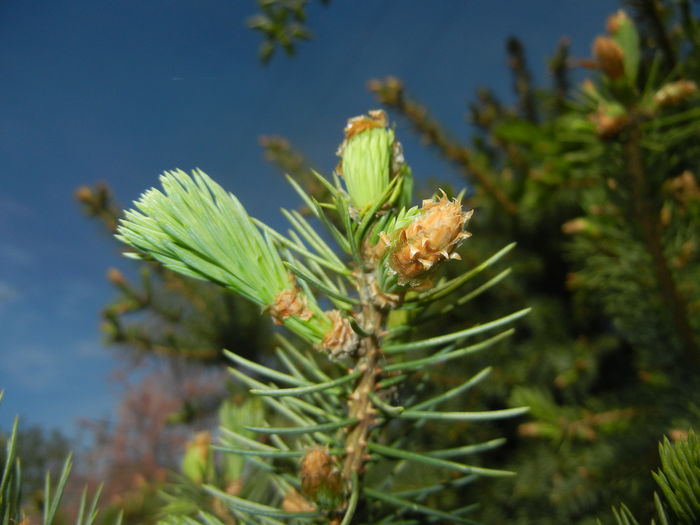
[(329, 409), (522, 84), (650, 230)]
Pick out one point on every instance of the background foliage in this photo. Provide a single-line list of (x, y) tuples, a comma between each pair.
[(597, 183)]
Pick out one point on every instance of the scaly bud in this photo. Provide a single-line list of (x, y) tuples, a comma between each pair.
[(675, 92), (320, 478), (684, 188), (295, 502), (341, 340), (609, 57), (574, 226), (429, 239), (116, 277), (83, 194), (290, 302), (609, 120), (369, 158), (616, 21)]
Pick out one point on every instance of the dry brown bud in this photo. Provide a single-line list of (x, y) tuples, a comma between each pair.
[(615, 21), (320, 478), (431, 238), (295, 502), (356, 125), (608, 126), (609, 57), (341, 340), (574, 226), (675, 92), (290, 302), (388, 91), (684, 188), (529, 429), (383, 299), (116, 277), (83, 194)]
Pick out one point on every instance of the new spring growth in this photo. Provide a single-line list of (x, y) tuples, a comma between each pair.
[(197, 228), (617, 55), (370, 157), (429, 239)]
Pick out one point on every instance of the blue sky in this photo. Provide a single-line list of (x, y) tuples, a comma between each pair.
[(122, 90)]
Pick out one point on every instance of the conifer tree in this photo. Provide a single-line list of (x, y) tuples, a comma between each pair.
[(598, 184)]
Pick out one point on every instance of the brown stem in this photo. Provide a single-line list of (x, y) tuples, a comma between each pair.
[(360, 406), (645, 217)]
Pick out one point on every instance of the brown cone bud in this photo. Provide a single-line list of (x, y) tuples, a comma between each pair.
[(429, 239), (615, 21), (356, 125), (684, 188), (574, 226), (609, 57), (675, 92), (341, 340), (608, 123), (115, 277), (320, 478), (290, 302), (295, 502), (83, 194)]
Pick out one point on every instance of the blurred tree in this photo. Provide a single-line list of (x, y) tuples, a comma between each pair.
[(282, 24), (600, 190), (43, 451)]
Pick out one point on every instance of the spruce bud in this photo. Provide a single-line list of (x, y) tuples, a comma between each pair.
[(295, 502), (429, 239), (609, 120), (116, 277), (341, 340), (369, 157), (615, 21), (609, 57), (675, 92), (320, 478), (290, 302)]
